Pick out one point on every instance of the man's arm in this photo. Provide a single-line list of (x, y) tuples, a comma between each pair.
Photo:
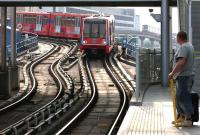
[(178, 67)]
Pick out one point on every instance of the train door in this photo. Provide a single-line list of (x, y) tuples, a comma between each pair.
[(38, 23), (77, 25), (68, 25), (58, 24), (19, 19), (112, 32)]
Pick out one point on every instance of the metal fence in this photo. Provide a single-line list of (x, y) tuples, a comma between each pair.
[(131, 50), (28, 41), (148, 68)]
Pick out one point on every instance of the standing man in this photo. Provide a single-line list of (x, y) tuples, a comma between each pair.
[(183, 74)]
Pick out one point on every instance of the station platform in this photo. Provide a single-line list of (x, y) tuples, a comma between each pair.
[(154, 116)]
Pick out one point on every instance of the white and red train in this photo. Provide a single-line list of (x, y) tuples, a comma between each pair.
[(98, 33), (95, 32)]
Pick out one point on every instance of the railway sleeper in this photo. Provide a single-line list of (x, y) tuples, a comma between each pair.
[(14, 129), (27, 122), (66, 98), (35, 119), (62, 101), (65, 74), (49, 119), (30, 131), (65, 107), (54, 107), (59, 105), (62, 71), (58, 113), (35, 129), (42, 112)]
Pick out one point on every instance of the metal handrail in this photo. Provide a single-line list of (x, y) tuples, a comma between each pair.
[(24, 45)]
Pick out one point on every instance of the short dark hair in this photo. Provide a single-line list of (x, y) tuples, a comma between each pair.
[(182, 35)]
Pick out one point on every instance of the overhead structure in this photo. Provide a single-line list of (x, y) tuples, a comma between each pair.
[(129, 3)]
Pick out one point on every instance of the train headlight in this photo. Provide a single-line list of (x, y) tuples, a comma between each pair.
[(104, 42), (84, 41)]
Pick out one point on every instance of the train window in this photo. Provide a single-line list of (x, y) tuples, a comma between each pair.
[(111, 28), (77, 22), (24, 18), (29, 19), (19, 19), (102, 30), (58, 20), (45, 20), (33, 19), (63, 21), (95, 29), (73, 22), (68, 21), (38, 20), (95, 32), (86, 31)]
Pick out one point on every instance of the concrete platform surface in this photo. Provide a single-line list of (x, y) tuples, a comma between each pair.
[(154, 117)]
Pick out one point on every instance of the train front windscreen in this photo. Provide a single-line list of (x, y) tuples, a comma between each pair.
[(94, 29)]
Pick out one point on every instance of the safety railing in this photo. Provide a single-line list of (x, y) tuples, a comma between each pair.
[(148, 68), (28, 41), (131, 50)]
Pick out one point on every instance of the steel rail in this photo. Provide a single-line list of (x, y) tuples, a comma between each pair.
[(129, 79), (92, 99), (12, 105), (124, 98), (22, 121)]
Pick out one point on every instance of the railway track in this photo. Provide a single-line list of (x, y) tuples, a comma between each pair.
[(23, 62), (106, 106), (27, 108)]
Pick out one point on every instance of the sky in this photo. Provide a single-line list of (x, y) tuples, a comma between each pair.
[(145, 17)]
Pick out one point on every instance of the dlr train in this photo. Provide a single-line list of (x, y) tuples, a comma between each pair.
[(98, 33), (51, 24), (94, 32)]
